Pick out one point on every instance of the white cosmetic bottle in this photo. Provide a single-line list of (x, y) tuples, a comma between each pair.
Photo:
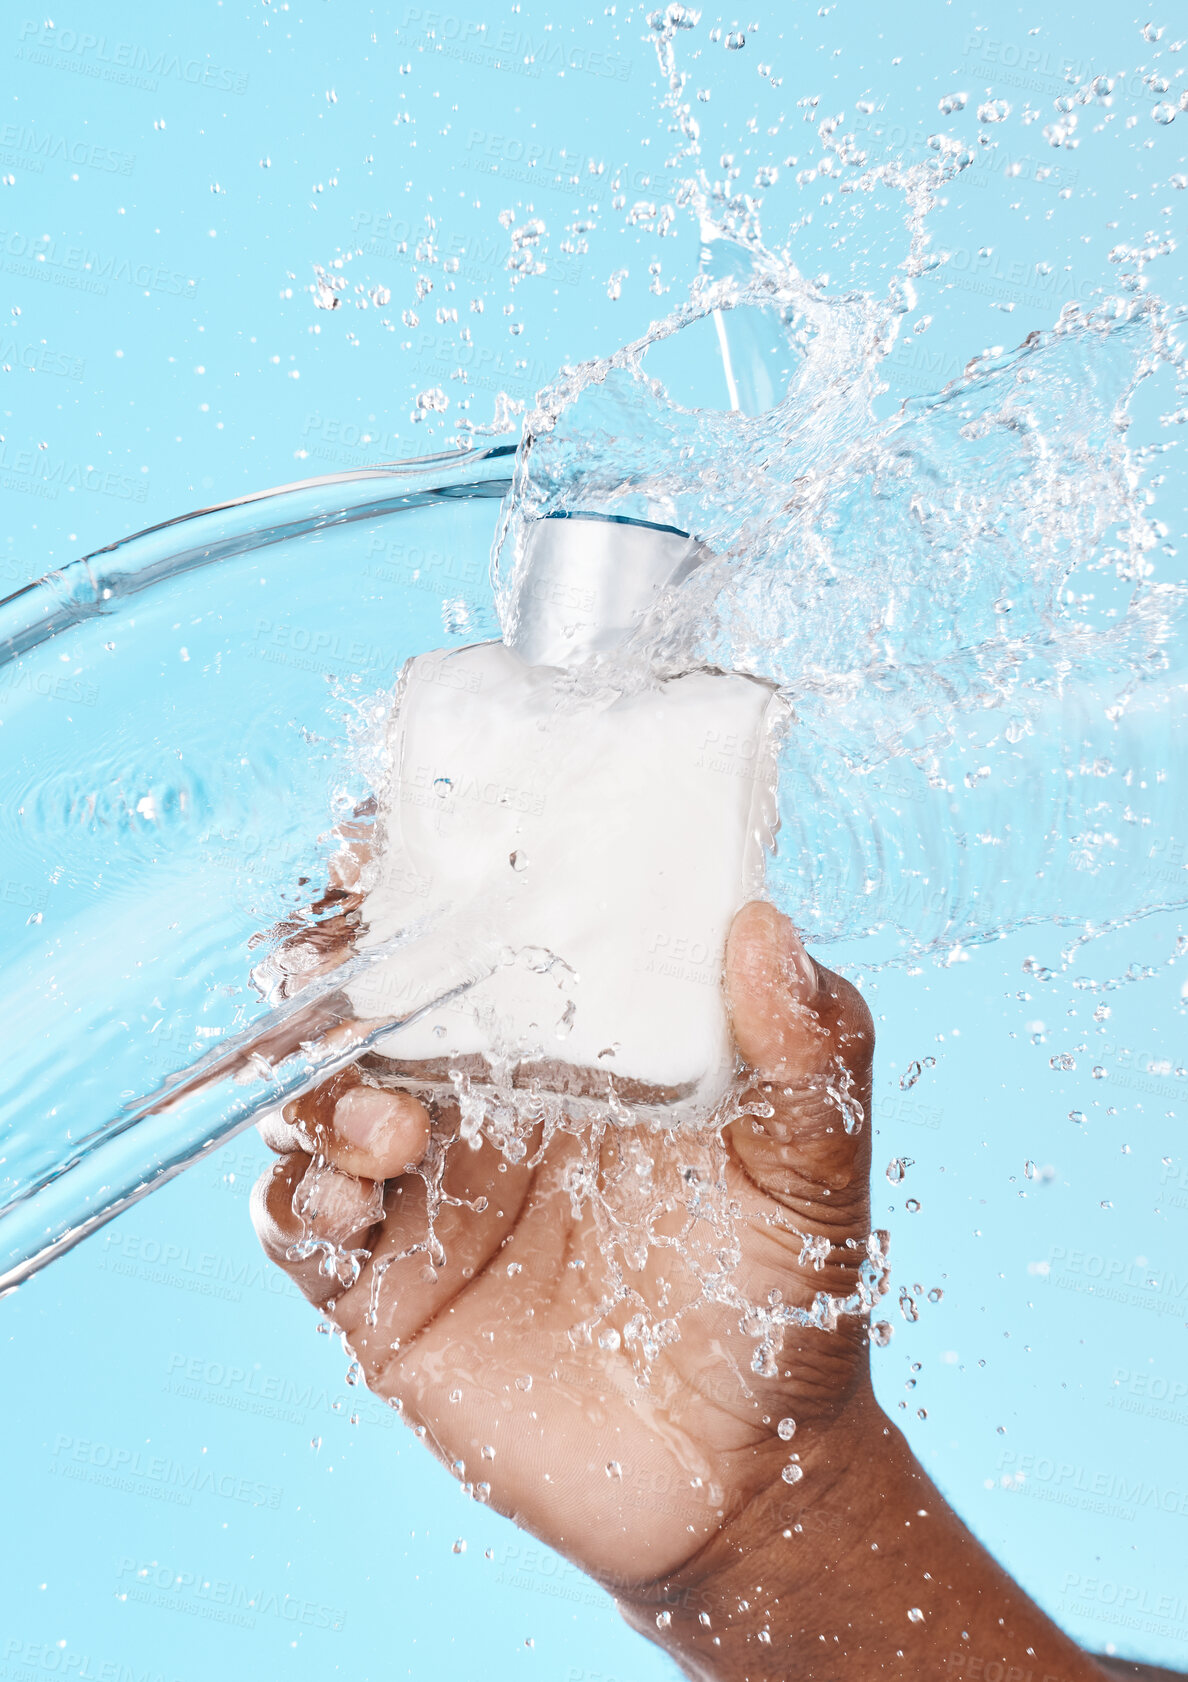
[(595, 836)]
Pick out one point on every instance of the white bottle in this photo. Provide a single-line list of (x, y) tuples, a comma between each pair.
[(593, 838)]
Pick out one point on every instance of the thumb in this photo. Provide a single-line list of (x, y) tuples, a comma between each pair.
[(808, 1040)]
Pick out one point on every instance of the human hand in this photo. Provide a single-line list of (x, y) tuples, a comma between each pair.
[(508, 1336), (511, 1336)]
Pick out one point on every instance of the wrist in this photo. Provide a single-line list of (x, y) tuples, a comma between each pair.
[(728, 1613), (858, 1570)]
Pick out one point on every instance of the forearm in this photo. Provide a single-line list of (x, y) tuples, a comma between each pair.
[(877, 1578)]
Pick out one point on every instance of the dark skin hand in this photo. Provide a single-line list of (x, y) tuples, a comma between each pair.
[(672, 1493)]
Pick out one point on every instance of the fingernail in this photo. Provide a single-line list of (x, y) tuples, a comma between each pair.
[(363, 1116)]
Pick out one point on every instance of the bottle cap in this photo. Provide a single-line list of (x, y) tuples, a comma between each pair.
[(587, 581)]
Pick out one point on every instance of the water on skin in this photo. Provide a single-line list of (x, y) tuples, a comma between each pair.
[(961, 603)]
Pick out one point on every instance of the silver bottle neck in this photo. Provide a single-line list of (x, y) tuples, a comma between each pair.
[(588, 581)]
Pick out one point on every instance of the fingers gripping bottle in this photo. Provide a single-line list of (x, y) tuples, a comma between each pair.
[(597, 836)]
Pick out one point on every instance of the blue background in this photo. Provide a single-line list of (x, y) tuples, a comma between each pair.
[(173, 185)]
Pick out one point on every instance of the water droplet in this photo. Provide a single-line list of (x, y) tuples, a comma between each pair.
[(881, 1333), (1164, 113), (736, 40), (609, 1338), (935, 1294), (792, 1473), (663, 1620), (1063, 1061), (907, 1305), (315, 1443), (897, 1168), (915, 1614), (518, 860), (1076, 1115), (524, 1383), (950, 102), (914, 1070), (764, 1363), (487, 1452), (1099, 1073), (994, 111), (913, 1205), (460, 1545), (613, 1469)]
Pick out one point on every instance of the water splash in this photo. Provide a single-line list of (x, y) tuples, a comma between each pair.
[(960, 601)]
